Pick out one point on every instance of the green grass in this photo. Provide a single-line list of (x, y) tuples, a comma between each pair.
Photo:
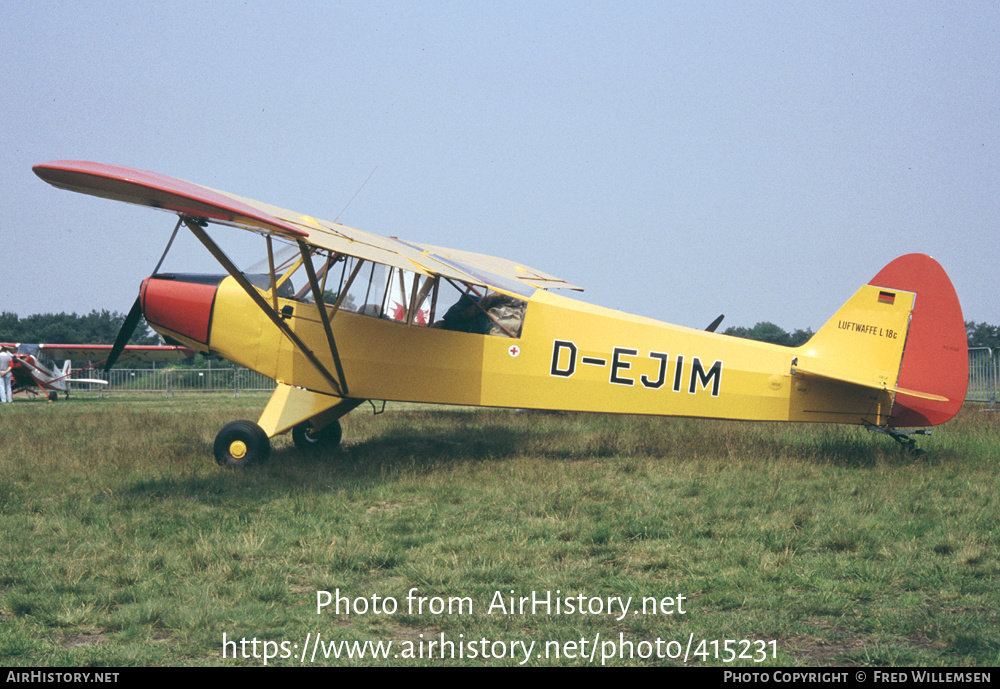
[(124, 544)]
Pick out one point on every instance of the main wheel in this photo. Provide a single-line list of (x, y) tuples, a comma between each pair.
[(240, 444), (324, 440)]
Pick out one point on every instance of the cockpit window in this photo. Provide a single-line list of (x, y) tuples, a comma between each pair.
[(404, 296)]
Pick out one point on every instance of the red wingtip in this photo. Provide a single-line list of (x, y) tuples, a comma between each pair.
[(157, 191), (936, 358)]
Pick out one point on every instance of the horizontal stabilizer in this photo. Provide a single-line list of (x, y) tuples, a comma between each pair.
[(870, 384)]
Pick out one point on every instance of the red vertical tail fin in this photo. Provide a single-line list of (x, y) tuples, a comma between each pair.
[(936, 355)]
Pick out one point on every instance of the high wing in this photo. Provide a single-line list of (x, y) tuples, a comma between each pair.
[(196, 201), (90, 352), (97, 352)]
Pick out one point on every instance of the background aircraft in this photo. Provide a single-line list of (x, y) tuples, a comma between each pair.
[(34, 373), (382, 318)]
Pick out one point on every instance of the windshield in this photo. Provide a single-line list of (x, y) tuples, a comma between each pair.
[(383, 291)]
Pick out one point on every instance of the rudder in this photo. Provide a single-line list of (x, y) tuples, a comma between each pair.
[(936, 356)]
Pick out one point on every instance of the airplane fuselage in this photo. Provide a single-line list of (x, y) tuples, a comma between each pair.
[(30, 374), (570, 356)]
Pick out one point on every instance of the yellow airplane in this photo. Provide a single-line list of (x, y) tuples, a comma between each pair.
[(341, 316)]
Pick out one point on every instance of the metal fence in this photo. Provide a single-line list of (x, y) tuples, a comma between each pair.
[(168, 381), (984, 375)]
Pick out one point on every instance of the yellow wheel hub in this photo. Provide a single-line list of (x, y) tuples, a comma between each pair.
[(238, 449)]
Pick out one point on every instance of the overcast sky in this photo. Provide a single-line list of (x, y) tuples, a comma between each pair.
[(678, 160)]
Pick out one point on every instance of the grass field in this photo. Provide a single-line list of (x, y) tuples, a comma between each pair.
[(124, 544)]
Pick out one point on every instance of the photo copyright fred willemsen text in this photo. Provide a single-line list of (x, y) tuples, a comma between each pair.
[(595, 648)]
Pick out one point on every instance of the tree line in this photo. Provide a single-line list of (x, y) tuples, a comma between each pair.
[(96, 327), (978, 334), (983, 335), (101, 327)]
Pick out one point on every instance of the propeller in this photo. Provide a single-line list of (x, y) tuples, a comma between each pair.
[(125, 334)]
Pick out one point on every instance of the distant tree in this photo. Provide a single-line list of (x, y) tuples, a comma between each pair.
[(9, 326), (97, 327), (769, 332), (979, 334), (330, 297), (800, 337), (982, 335)]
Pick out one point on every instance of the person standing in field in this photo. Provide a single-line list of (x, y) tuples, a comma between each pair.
[(5, 375)]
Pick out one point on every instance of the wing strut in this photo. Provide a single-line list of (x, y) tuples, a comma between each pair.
[(170, 243), (220, 256), (270, 272), (321, 307), (347, 286)]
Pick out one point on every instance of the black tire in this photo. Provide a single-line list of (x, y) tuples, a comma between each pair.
[(240, 444), (53, 396), (324, 441)]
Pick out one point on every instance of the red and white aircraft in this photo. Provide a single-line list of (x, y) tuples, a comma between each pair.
[(35, 373)]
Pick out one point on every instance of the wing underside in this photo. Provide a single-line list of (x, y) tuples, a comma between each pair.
[(101, 352), (196, 201)]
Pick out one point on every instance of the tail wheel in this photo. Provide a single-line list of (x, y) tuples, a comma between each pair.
[(323, 440), (240, 444), (53, 396)]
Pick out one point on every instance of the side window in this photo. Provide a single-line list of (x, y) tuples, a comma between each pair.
[(367, 292), (381, 291), (407, 298), (475, 310)]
